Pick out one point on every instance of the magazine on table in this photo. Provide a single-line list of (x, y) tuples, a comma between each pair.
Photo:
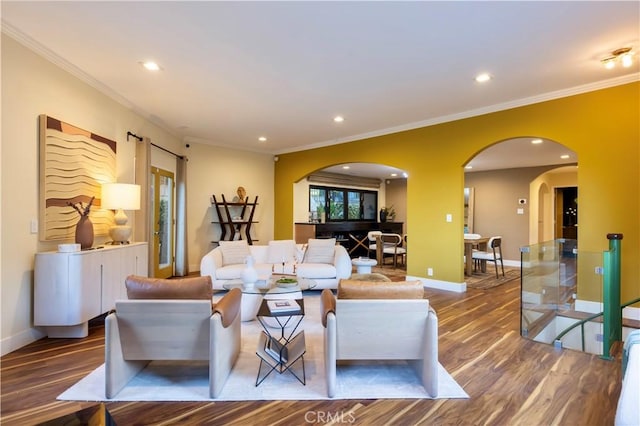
[(277, 306), (276, 349)]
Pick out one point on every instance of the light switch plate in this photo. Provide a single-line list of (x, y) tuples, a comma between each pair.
[(449, 217)]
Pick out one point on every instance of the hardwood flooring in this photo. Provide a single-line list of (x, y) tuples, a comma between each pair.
[(510, 380)]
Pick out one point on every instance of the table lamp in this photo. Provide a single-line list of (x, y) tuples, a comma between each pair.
[(120, 197)]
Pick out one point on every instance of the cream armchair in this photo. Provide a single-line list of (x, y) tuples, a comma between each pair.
[(380, 321), (171, 320)]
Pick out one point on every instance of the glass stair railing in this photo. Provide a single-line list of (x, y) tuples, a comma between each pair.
[(566, 297)]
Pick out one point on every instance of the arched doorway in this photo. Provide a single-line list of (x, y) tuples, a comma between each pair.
[(513, 190), (370, 186)]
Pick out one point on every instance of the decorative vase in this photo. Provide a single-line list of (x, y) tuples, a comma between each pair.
[(84, 232), (383, 215), (249, 275)]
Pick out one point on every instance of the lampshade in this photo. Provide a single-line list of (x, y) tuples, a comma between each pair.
[(120, 197)]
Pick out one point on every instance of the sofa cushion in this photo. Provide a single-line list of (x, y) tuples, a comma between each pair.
[(281, 251), (234, 252), (353, 289), (316, 270), (320, 250), (234, 272), (157, 288)]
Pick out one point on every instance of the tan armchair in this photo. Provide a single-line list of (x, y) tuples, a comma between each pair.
[(171, 320), (380, 321)]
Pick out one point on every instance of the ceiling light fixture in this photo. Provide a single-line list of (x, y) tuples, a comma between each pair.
[(565, 156), (338, 119), (623, 55), (151, 66), (262, 139), (483, 78), (536, 141), (346, 167)]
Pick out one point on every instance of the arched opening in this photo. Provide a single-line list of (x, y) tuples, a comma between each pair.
[(514, 183), (355, 195)]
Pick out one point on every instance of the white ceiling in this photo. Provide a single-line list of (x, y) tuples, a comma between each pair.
[(234, 71)]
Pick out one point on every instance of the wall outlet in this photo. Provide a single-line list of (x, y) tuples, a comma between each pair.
[(429, 272)]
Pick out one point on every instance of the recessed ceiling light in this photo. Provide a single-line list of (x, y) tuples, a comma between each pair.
[(346, 167), (536, 141), (564, 156), (394, 174), (151, 66), (262, 139), (484, 77), (405, 175), (468, 167), (338, 119)]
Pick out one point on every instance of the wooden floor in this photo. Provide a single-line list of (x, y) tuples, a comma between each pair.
[(511, 380)]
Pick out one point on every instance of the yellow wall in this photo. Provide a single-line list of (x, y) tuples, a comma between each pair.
[(602, 127)]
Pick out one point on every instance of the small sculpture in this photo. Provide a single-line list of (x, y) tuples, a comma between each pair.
[(241, 193)]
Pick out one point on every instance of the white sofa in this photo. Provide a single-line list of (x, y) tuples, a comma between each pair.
[(320, 260)]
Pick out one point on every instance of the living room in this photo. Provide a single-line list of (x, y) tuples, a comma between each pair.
[(599, 124)]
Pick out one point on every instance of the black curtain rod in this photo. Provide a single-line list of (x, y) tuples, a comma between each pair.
[(166, 150), (139, 138), (134, 135)]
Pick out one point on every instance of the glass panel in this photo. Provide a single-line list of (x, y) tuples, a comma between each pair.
[(353, 205), (370, 206), (165, 220), (317, 198), (552, 273), (336, 205)]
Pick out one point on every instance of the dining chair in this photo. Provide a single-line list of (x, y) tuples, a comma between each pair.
[(493, 253), (371, 236), (392, 244)]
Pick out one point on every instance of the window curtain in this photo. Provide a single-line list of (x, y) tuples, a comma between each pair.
[(181, 257), (144, 216)]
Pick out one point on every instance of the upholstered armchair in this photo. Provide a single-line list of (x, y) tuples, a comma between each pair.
[(171, 320), (380, 321)]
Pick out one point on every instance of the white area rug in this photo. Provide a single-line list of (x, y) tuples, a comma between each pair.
[(169, 381)]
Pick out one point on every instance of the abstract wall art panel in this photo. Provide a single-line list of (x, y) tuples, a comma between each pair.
[(74, 163)]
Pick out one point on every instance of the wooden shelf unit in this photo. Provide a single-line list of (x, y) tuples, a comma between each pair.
[(229, 227)]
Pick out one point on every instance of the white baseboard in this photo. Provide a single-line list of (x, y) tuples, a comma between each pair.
[(440, 285), (11, 343), (596, 307)]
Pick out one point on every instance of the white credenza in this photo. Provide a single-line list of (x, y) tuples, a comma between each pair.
[(72, 288)]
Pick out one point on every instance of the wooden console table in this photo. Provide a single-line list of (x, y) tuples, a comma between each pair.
[(353, 235)]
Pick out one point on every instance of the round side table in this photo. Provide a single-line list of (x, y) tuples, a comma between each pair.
[(363, 264)]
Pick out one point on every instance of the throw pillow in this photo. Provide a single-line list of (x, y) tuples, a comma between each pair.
[(320, 250), (281, 251), (234, 252)]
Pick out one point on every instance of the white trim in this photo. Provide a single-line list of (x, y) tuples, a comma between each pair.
[(17, 341), (440, 285), (597, 307), (585, 88)]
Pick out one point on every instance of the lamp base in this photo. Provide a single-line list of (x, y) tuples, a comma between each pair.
[(120, 234)]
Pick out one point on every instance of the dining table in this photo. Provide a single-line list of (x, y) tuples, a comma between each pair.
[(469, 245)]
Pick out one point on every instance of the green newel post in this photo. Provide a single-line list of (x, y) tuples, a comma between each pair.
[(612, 312)]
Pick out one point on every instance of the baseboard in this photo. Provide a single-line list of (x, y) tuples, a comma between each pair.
[(596, 307), (440, 285), (11, 343)]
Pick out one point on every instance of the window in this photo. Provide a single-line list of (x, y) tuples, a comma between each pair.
[(342, 204)]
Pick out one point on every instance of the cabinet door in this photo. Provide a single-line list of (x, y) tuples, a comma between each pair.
[(112, 280), (84, 287)]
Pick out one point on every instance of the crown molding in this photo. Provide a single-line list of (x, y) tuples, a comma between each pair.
[(603, 84)]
